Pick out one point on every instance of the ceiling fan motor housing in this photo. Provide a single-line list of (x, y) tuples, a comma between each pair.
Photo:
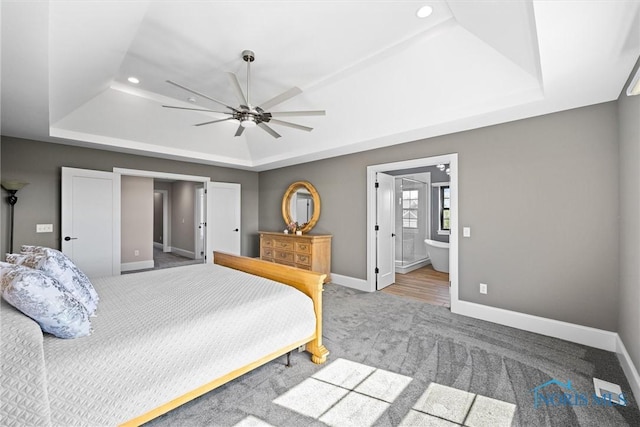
[(248, 55)]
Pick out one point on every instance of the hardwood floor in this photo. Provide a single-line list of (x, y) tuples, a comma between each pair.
[(424, 284)]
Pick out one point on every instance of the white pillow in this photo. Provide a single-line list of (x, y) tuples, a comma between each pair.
[(44, 299), (58, 265)]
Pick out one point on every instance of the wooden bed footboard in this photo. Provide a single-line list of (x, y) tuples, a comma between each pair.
[(308, 282)]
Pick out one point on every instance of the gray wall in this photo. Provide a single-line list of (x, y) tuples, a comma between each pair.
[(39, 164), (629, 320), (551, 250), (136, 219), (183, 216)]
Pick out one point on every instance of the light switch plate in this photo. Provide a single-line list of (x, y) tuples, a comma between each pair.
[(44, 228), (466, 231)]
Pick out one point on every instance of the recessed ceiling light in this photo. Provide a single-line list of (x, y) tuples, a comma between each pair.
[(424, 11), (133, 80)]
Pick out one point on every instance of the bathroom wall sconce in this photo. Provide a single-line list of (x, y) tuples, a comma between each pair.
[(444, 168), (12, 188)]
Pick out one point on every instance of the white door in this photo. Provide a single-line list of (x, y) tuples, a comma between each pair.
[(223, 218), (385, 230), (200, 222), (91, 220)]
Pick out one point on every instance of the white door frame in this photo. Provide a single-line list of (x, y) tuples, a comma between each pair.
[(452, 159)]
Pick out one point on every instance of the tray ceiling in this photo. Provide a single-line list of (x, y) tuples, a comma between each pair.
[(383, 75)]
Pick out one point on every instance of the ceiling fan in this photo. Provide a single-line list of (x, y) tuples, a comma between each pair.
[(247, 114)]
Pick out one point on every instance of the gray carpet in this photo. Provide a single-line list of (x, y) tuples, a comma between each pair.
[(429, 345)]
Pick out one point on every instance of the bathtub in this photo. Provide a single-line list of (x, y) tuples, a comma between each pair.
[(438, 254)]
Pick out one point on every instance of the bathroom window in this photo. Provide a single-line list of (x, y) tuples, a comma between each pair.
[(410, 209), (445, 210)]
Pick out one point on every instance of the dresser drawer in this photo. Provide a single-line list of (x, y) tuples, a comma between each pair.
[(303, 247), (306, 251), (283, 244), (283, 256), (303, 259), (266, 253)]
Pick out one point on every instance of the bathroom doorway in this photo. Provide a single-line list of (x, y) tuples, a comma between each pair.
[(425, 239)]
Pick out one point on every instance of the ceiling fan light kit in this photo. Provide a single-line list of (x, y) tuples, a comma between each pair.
[(247, 115)]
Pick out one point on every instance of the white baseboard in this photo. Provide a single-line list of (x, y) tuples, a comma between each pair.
[(158, 245), (350, 282), (628, 367), (598, 338), (138, 265), (183, 252)]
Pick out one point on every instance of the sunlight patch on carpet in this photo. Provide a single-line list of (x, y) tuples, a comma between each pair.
[(347, 393)]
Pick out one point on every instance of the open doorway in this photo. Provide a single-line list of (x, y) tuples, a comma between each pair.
[(160, 221), (177, 216), (420, 237)]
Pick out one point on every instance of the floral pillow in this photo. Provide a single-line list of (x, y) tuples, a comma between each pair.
[(58, 265), (44, 299)]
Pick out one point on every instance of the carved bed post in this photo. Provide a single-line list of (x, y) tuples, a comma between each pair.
[(318, 351)]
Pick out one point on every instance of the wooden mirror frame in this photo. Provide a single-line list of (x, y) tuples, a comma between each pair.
[(286, 204)]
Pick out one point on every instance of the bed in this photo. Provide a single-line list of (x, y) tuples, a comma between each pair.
[(160, 339)]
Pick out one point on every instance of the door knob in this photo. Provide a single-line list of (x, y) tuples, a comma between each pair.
[(67, 238), (236, 229)]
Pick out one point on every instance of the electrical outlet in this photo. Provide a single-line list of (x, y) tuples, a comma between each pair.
[(483, 288), (136, 253)]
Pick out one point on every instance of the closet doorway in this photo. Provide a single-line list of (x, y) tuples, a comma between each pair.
[(78, 239)]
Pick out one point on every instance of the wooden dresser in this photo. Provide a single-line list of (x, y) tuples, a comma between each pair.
[(308, 251)]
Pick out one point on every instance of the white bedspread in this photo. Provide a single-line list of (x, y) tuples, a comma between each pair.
[(161, 334)]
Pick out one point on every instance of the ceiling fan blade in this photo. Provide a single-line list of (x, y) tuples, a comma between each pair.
[(291, 125), (214, 121), (237, 89), (239, 131), (195, 109), (201, 94), (270, 131), (281, 98), (297, 113)]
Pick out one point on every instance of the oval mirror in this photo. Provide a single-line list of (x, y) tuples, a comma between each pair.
[(301, 204)]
